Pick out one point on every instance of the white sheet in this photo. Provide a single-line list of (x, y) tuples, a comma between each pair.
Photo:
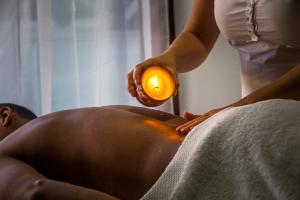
[(250, 152)]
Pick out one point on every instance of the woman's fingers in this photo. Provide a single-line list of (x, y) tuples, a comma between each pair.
[(137, 74), (130, 84), (144, 99), (183, 129), (189, 116), (140, 68), (194, 121), (141, 95), (187, 127)]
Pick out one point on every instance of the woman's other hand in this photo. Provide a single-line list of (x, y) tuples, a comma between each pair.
[(194, 120), (134, 76)]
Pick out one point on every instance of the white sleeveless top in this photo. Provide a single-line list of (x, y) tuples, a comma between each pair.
[(266, 34)]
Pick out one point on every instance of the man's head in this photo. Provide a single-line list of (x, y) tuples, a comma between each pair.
[(12, 117)]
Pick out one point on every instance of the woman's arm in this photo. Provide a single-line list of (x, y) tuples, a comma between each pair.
[(197, 39), (187, 51), (19, 181), (285, 87)]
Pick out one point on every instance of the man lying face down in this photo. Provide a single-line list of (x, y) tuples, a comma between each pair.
[(91, 153)]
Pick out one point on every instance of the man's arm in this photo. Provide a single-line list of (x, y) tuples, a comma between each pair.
[(19, 181)]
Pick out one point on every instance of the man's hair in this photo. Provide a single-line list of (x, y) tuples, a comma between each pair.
[(20, 110)]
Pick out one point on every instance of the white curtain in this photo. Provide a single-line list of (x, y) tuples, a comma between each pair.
[(60, 54)]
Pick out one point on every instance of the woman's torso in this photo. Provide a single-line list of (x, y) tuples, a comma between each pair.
[(266, 34)]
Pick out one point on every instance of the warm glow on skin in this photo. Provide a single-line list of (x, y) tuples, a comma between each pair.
[(157, 83), (160, 127)]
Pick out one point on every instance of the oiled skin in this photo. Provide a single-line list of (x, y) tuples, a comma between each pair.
[(119, 150)]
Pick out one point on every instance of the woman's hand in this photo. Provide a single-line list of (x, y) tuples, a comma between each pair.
[(194, 120), (134, 76)]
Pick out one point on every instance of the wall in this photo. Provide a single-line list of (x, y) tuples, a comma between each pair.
[(216, 82)]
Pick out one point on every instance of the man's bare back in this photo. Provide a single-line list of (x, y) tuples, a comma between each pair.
[(118, 150)]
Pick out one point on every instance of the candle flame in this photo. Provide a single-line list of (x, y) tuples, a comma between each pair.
[(155, 82), (158, 83)]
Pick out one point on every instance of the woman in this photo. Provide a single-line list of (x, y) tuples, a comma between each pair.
[(266, 35)]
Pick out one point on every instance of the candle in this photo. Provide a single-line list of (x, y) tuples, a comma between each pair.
[(158, 83)]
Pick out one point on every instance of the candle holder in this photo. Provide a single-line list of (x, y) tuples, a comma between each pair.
[(157, 84)]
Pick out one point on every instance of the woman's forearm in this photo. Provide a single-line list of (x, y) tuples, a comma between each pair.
[(200, 33), (187, 51), (285, 87)]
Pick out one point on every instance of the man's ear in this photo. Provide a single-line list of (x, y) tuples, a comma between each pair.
[(5, 116)]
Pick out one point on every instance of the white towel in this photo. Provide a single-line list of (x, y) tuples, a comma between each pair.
[(245, 153)]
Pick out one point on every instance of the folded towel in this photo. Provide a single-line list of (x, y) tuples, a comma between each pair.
[(248, 152)]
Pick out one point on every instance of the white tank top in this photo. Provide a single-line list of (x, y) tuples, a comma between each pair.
[(266, 34)]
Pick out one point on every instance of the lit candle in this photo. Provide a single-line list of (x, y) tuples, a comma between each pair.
[(158, 83)]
